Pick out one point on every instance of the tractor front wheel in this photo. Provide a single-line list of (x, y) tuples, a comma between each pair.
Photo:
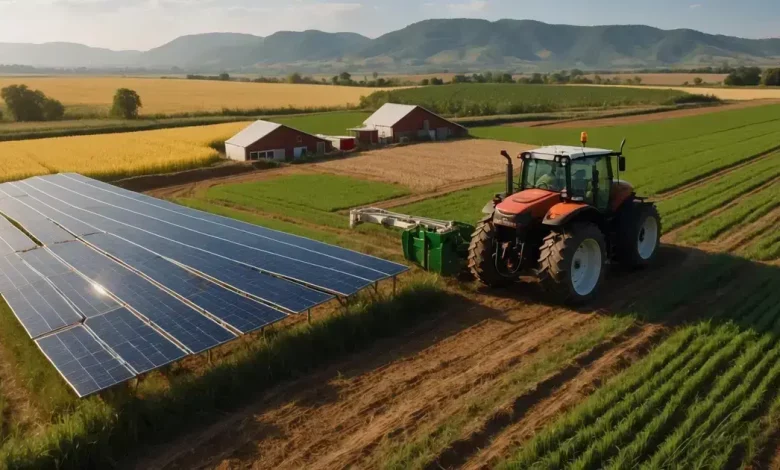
[(482, 255), (572, 262)]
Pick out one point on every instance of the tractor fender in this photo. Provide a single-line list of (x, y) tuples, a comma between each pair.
[(489, 208), (565, 212)]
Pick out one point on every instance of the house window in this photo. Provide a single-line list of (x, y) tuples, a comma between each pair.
[(267, 155)]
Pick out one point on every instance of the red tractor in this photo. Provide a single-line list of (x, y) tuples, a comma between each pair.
[(570, 217)]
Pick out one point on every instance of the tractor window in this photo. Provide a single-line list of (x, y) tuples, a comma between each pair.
[(543, 174), (583, 185)]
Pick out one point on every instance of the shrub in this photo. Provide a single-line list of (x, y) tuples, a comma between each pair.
[(771, 77), (126, 104), (744, 76), (31, 105)]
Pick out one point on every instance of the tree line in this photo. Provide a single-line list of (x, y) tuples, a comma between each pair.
[(753, 76), (342, 79), (27, 105)]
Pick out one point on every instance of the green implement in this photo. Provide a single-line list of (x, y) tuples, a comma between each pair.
[(439, 246)]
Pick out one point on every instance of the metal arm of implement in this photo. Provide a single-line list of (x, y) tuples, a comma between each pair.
[(373, 215), (436, 245)]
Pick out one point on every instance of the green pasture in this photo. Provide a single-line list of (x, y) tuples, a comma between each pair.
[(335, 123)]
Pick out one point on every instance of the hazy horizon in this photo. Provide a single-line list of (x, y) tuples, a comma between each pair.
[(146, 24)]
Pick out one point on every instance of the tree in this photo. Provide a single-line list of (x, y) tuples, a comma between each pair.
[(537, 78), (507, 78), (334, 79), (53, 110), (437, 81), (28, 105), (224, 76), (771, 77), (698, 81), (375, 75), (744, 76), (126, 104), (425, 82), (294, 77), (345, 77)]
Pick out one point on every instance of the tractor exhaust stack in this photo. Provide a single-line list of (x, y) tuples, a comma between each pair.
[(510, 188)]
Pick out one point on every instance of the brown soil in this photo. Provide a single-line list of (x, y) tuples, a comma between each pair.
[(643, 118), (342, 415), (428, 166)]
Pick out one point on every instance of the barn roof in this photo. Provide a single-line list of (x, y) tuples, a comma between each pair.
[(391, 113), (252, 133)]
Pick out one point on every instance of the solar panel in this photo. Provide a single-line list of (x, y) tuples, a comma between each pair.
[(9, 190), (153, 205), (239, 312), (82, 361), (88, 300), (285, 294), (195, 331), (46, 231), (41, 309), (15, 274), (138, 344), (73, 226), (312, 274), (12, 239)]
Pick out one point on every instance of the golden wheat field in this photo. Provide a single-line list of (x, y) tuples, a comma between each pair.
[(115, 155), (169, 96)]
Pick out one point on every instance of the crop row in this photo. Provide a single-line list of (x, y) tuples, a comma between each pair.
[(689, 402), (766, 247), (749, 210), (703, 199)]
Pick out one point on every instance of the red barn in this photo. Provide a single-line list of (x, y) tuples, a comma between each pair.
[(264, 140), (403, 122)]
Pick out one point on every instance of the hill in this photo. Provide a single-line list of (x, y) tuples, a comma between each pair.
[(431, 44)]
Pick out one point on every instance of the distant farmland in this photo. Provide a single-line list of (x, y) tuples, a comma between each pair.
[(93, 95), (492, 99)]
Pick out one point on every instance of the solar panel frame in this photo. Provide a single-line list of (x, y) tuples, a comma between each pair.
[(82, 361), (388, 267), (284, 294), (74, 226)]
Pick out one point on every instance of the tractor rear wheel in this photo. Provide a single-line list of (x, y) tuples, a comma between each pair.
[(639, 234), (572, 262), (482, 253)]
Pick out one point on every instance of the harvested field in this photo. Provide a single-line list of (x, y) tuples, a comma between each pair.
[(425, 167), (170, 96)]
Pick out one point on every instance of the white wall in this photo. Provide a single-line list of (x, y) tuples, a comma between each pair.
[(234, 152)]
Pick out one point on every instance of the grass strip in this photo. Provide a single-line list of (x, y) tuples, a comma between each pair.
[(98, 433)]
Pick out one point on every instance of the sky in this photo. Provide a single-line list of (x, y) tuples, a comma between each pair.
[(144, 24)]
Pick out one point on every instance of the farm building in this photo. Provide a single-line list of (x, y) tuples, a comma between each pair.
[(263, 140), (340, 142), (394, 123)]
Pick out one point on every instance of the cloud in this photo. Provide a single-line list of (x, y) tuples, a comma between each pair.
[(695, 6), (473, 6)]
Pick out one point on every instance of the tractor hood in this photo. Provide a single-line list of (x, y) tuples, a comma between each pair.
[(538, 201)]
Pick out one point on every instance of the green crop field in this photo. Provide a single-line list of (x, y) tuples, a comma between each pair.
[(495, 99), (667, 154), (311, 198), (704, 398), (335, 123)]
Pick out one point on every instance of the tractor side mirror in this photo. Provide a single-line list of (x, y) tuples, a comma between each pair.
[(622, 163)]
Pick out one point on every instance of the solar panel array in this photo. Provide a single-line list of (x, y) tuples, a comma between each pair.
[(120, 283)]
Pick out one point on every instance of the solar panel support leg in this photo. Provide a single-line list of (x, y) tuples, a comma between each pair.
[(394, 278), (208, 356), (308, 316)]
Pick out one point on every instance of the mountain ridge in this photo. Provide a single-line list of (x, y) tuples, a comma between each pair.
[(435, 43)]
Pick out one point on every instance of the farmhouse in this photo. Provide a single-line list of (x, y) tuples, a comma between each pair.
[(264, 140), (394, 123)]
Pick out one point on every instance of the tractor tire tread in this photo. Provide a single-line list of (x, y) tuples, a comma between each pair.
[(555, 258), (480, 261)]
